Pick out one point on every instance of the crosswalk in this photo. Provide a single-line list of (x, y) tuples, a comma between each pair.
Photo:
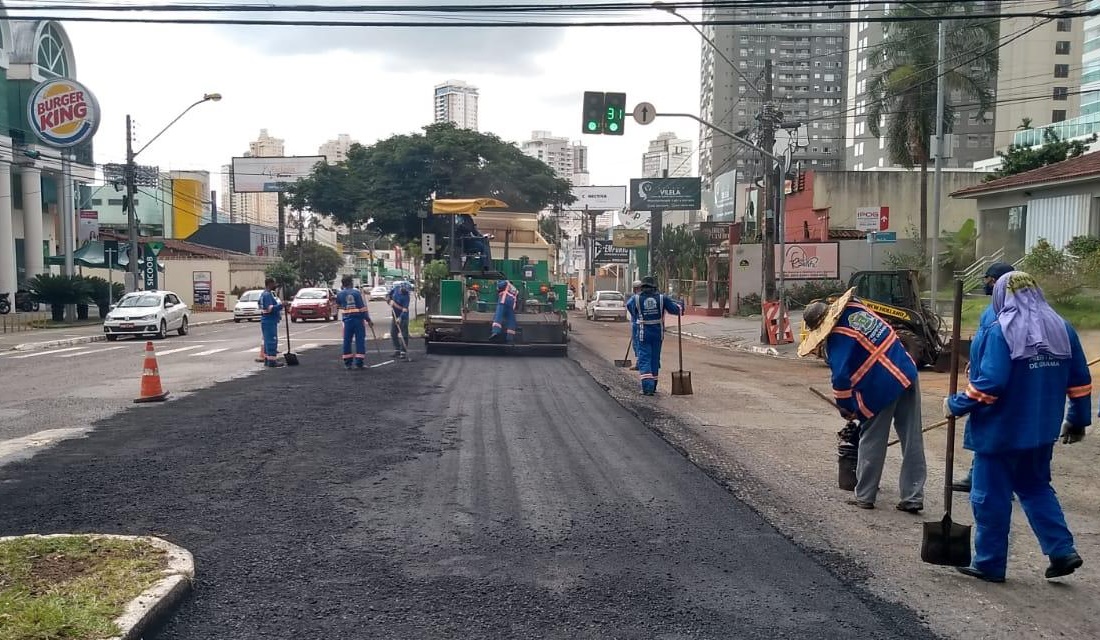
[(198, 350)]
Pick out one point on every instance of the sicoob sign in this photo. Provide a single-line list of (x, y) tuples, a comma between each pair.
[(63, 113)]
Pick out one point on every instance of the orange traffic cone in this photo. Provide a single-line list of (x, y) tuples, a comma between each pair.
[(151, 391)]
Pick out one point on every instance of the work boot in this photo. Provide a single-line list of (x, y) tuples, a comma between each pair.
[(1063, 566), (974, 572), (860, 503), (396, 354), (910, 507), (963, 486)]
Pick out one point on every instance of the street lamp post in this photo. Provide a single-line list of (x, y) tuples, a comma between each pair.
[(131, 182)]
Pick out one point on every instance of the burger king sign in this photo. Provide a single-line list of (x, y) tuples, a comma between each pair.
[(63, 113)]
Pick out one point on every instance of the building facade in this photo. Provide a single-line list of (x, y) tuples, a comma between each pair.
[(568, 159), (668, 152), (336, 151), (32, 51), (808, 73), (456, 101), (253, 208)]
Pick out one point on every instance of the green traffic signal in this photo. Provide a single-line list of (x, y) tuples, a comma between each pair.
[(593, 112), (615, 113)]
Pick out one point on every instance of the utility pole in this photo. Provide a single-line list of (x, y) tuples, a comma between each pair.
[(938, 181), (131, 212), (282, 223), (656, 225), (771, 191)]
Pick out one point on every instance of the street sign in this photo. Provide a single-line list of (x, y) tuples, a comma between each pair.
[(149, 271), (665, 194), (882, 237), (154, 247), (427, 244), (110, 253), (872, 218), (630, 238), (607, 253), (644, 113)]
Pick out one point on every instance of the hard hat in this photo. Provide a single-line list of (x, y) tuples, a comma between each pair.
[(502, 284)]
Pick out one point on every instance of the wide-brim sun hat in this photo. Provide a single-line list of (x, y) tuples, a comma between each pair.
[(817, 335)]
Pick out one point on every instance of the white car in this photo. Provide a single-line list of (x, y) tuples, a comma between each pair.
[(248, 306), (606, 304), (378, 293), (147, 313)]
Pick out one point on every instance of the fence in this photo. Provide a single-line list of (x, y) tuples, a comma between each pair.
[(19, 321)]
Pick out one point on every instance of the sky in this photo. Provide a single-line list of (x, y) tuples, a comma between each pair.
[(306, 85)]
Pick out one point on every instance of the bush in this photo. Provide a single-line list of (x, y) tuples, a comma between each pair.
[(238, 291), (1084, 247), (798, 296), (103, 292), (1055, 271), (749, 305)]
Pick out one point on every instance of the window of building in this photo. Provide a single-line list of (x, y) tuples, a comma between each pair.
[(1057, 115), (1065, 24), (52, 57), (1060, 93), (1061, 71), (1061, 47)]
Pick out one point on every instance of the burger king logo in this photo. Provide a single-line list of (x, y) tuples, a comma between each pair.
[(63, 113)]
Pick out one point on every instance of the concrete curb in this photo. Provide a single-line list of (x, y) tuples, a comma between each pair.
[(99, 337), (155, 603)]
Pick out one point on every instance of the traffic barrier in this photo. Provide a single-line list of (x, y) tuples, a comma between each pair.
[(777, 323), (151, 390), (219, 301)]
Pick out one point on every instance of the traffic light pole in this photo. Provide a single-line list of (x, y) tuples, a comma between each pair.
[(131, 212), (771, 190)]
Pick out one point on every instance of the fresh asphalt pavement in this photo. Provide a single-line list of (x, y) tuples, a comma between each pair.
[(447, 497)]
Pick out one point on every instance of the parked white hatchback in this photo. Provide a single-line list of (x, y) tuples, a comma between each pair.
[(147, 313), (606, 304)]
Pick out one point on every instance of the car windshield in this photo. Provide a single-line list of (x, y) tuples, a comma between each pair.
[(140, 301), (310, 294), (380, 289), (250, 296), (610, 296)]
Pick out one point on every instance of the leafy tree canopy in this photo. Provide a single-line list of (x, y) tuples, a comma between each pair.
[(394, 179), (314, 262), (1021, 158)]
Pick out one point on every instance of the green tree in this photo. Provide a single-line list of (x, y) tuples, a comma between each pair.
[(901, 93), (552, 231), (285, 274), (394, 179), (314, 262), (1021, 158), (960, 247), (680, 255), (434, 273)]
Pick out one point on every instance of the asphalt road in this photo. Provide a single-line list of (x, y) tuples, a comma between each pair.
[(450, 497)]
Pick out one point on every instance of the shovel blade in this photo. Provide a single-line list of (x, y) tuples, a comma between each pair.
[(291, 359), (623, 364), (946, 543), (681, 383)]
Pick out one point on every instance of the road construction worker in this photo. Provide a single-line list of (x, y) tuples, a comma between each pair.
[(270, 315), (633, 311), (875, 383), (399, 299), (473, 241), (504, 320), (988, 317), (1023, 367), (650, 306), (356, 318)]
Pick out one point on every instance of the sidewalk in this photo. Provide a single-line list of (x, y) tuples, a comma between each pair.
[(740, 333), (46, 338)]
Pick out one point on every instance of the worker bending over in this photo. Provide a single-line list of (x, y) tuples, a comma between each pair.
[(504, 320), (399, 326), (356, 318), (649, 306)]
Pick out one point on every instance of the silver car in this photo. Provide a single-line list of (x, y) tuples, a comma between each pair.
[(606, 304), (248, 306)]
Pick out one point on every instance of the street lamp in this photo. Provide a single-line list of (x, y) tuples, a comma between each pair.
[(671, 9), (131, 169)]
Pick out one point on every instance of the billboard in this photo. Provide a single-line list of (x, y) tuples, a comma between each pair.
[(809, 261), (598, 199), (666, 194), (607, 254), (259, 175), (715, 232), (629, 238), (87, 226), (725, 197)]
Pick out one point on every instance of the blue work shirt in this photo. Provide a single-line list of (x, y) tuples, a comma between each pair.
[(648, 309), (351, 303), (270, 307), (869, 363), (399, 300)]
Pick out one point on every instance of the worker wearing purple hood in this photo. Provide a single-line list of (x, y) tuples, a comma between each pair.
[(1022, 369)]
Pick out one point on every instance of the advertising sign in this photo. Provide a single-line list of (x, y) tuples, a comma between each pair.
[(715, 232), (725, 197), (629, 238), (149, 270), (810, 261), (634, 219), (202, 282), (87, 226), (598, 198), (872, 219), (666, 194), (260, 175), (606, 253), (63, 113)]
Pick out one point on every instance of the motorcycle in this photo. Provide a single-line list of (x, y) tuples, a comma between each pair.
[(24, 301), (5, 304)]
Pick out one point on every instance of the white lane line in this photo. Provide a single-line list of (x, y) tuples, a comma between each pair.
[(208, 352), (84, 353), (171, 351), (307, 347), (381, 363), (47, 353)]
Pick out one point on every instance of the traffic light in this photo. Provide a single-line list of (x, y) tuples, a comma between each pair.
[(614, 113), (593, 112)]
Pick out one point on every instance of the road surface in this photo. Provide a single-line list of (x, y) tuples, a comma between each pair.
[(450, 497)]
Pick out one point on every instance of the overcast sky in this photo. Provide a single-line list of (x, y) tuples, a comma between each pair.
[(308, 85)]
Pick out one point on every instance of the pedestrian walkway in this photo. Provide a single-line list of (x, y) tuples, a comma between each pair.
[(163, 350)]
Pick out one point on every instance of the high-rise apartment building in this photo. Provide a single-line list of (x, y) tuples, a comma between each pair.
[(569, 160), (456, 101), (253, 208), (668, 151), (336, 150), (808, 74)]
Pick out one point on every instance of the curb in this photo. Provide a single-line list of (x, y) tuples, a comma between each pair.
[(155, 603), (68, 342)]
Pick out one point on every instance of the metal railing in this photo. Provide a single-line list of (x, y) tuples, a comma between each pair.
[(20, 321), (972, 276)]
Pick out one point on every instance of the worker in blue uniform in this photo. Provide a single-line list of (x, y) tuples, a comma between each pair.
[(399, 300), (632, 309), (504, 320), (875, 383), (1022, 369), (356, 317), (992, 274), (473, 241), (650, 306), (270, 315)]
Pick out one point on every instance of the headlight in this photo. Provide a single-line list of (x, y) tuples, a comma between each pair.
[(148, 317)]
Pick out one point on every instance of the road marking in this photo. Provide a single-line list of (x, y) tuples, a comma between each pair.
[(84, 353), (171, 351), (255, 350), (381, 363), (46, 353), (307, 347), (208, 352)]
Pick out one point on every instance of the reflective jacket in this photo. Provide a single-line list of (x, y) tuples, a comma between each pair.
[(508, 295), (351, 303), (870, 365), (648, 309)]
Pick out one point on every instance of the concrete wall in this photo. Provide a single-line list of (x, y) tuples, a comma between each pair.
[(178, 276)]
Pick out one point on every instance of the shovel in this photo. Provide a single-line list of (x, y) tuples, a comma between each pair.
[(378, 346), (945, 542), (400, 334), (290, 357), (625, 363), (681, 380)]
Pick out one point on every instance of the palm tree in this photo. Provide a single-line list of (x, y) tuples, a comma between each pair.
[(902, 91)]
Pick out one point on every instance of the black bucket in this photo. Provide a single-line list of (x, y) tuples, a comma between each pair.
[(847, 451), (846, 473)]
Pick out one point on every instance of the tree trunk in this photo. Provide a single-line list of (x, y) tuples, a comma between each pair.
[(924, 206)]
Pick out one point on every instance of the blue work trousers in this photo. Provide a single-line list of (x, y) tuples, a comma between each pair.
[(1027, 474), (398, 331), (505, 320), (270, 330), (648, 347), (355, 327)]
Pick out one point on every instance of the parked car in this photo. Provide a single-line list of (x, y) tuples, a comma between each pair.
[(147, 313), (248, 306), (570, 300), (313, 303), (379, 293), (606, 304)]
